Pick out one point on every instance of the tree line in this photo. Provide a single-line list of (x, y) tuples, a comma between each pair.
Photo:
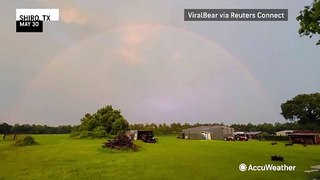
[(34, 129), (158, 129), (302, 112), (271, 129)]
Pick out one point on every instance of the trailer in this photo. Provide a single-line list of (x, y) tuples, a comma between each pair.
[(145, 136)]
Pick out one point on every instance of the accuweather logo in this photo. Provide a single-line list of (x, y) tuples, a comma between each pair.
[(31, 20), (266, 167), (242, 167)]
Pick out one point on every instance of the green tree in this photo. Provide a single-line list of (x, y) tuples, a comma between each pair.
[(309, 19), (111, 120), (99, 132), (267, 127), (175, 128), (89, 122), (305, 108), (119, 125), (5, 128)]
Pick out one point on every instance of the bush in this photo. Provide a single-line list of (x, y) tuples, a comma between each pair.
[(120, 142), (27, 141), (74, 134), (99, 132), (83, 134)]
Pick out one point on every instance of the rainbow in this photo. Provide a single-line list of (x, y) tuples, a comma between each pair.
[(148, 27)]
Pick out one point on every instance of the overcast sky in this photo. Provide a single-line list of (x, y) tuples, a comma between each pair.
[(144, 59)]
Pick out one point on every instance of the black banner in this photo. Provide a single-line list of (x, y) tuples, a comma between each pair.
[(29, 26)]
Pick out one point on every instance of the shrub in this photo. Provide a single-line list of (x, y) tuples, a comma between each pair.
[(74, 134), (120, 142), (83, 134), (99, 132), (27, 141)]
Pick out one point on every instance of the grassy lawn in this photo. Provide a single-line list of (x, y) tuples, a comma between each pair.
[(58, 157)]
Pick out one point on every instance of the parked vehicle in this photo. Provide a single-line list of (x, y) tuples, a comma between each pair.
[(145, 136), (241, 137), (148, 138), (229, 138)]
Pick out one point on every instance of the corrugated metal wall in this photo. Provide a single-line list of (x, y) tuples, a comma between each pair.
[(217, 133)]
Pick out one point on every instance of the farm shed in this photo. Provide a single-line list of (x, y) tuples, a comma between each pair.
[(284, 132), (207, 132), (253, 134), (305, 137)]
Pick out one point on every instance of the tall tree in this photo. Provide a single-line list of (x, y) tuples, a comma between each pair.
[(305, 108), (112, 121), (309, 19), (5, 128)]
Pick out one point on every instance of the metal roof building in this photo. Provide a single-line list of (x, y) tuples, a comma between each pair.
[(284, 132), (304, 137), (207, 132)]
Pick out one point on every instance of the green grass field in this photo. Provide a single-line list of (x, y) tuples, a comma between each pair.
[(58, 157)]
